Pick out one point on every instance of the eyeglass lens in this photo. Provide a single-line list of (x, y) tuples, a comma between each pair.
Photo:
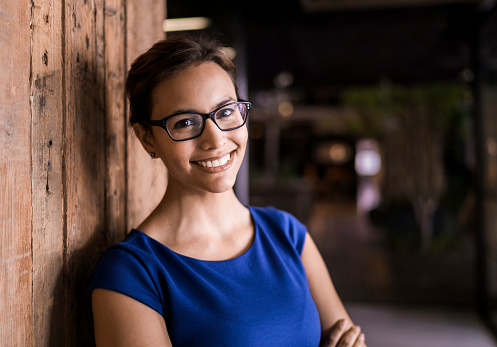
[(187, 125)]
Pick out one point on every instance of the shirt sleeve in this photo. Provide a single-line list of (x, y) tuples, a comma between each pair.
[(294, 230), (122, 271)]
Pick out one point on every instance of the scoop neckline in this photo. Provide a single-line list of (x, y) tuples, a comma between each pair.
[(242, 255)]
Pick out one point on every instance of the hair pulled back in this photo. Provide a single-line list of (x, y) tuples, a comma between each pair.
[(165, 59)]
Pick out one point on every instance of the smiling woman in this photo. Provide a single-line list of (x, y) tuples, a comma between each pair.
[(195, 93), (203, 269)]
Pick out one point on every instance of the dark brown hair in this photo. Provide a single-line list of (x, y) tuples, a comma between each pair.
[(165, 59)]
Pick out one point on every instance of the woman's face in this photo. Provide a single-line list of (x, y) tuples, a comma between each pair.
[(211, 161)]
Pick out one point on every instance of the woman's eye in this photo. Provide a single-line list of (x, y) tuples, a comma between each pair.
[(184, 123), (225, 112)]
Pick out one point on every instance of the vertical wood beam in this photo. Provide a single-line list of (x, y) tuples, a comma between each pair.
[(47, 187), (15, 175), (115, 119), (84, 162), (146, 178)]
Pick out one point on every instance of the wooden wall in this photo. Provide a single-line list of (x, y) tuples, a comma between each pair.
[(15, 176), (69, 179)]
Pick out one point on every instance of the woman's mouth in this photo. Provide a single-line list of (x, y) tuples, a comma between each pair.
[(214, 163)]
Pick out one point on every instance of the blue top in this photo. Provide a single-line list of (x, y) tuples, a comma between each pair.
[(260, 298)]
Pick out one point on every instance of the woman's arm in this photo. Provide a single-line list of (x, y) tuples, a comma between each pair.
[(125, 322), (336, 324)]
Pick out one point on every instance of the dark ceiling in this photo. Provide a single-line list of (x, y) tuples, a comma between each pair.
[(327, 48), (362, 47)]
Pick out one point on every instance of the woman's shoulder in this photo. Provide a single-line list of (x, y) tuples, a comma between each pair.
[(280, 223), (126, 264), (275, 215), (134, 241), (136, 250)]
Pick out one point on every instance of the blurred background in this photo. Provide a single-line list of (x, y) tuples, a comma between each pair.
[(375, 123)]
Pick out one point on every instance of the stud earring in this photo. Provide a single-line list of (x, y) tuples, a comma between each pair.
[(152, 155)]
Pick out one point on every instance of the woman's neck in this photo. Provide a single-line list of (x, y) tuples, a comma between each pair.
[(183, 212), (199, 224), (197, 202)]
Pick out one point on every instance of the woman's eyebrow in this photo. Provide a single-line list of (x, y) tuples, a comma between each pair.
[(191, 110), (224, 102)]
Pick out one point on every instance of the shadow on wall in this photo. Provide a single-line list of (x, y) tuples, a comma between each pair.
[(87, 234), (72, 319)]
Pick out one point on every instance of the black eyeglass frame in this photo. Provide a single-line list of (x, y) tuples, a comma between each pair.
[(162, 122)]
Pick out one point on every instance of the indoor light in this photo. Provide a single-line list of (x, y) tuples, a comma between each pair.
[(185, 24)]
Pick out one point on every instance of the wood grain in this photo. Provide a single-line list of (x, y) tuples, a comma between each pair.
[(63, 186), (115, 120), (47, 184), (84, 161), (15, 175), (146, 178)]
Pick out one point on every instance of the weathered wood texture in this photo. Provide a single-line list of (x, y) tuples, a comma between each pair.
[(146, 178), (63, 168), (115, 119), (15, 175), (84, 161), (47, 120)]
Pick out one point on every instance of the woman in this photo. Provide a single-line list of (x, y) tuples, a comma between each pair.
[(203, 269)]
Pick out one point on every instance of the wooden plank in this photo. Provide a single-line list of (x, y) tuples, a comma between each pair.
[(115, 120), (15, 175), (47, 188), (84, 161), (146, 178)]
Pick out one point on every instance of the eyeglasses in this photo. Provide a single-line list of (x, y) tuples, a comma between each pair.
[(187, 126)]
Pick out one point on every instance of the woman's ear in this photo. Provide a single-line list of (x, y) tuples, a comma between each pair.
[(145, 136)]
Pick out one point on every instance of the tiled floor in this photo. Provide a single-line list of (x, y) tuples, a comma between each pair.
[(389, 326)]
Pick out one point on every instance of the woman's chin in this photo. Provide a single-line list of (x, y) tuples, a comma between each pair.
[(221, 187)]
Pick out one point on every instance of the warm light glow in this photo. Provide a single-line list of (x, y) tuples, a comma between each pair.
[(338, 153), (285, 108), (185, 24)]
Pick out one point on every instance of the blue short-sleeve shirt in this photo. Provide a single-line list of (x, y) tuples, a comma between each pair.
[(260, 298)]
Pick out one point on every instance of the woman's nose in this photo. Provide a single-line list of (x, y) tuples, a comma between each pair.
[(212, 136)]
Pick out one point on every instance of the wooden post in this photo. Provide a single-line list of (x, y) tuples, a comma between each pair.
[(84, 161), (47, 183), (115, 119), (15, 176), (147, 178)]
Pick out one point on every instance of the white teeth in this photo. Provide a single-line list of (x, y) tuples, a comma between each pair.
[(215, 163)]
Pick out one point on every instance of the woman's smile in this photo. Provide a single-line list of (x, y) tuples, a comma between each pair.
[(216, 164)]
